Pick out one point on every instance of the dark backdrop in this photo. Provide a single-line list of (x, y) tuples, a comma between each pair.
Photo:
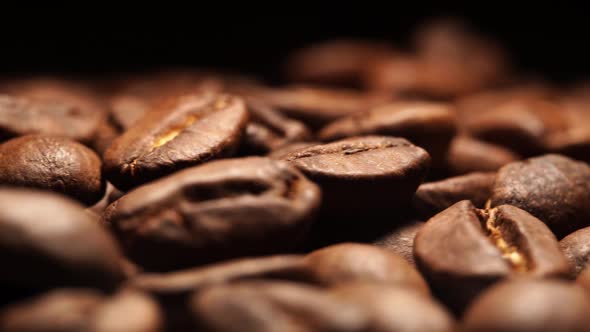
[(552, 40)]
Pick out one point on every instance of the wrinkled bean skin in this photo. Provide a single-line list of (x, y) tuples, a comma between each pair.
[(52, 163), (349, 164), (553, 188), (463, 250), (216, 211), (178, 133), (433, 197)]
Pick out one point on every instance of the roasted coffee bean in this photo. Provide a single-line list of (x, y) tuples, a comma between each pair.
[(111, 194), (105, 134), (394, 308), (341, 62), (275, 306), (21, 116), (126, 110), (223, 209), (315, 106), (173, 288), (280, 306), (181, 132), (48, 240), (467, 155), (583, 279), (428, 125), (65, 310), (269, 130), (52, 163), (181, 282), (433, 197), (456, 60), (576, 248), (462, 250), (522, 125), (401, 240), (573, 139), (530, 305), (280, 153), (363, 174), (553, 188), (350, 262)]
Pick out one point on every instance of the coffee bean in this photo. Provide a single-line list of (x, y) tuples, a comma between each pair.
[(349, 262), (530, 305), (401, 240), (428, 125), (394, 308), (521, 125), (466, 155), (462, 250), (275, 306), (281, 306), (316, 106), (52, 163), (553, 188), (104, 136), (76, 310), (576, 248), (181, 282), (573, 140), (179, 133), (338, 62), (126, 110), (223, 209), (269, 130), (48, 240), (21, 116), (363, 174), (111, 194), (583, 279), (281, 152), (173, 288), (433, 197)]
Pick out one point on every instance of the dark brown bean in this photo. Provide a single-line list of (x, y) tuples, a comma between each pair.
[(401, 240), (275, 306), (179, 133), (397, 309), (269, 130), (553, 188), (530, 305), (467, 155), (522, 125), (48, 240), (341, 62), (576, 248), (361, 174), (428, 125), (462, 250), (349, 262), (433, 197), (181, 282), (316, 106), (21, 116), (74, 310), (223, 209), (52, 163)]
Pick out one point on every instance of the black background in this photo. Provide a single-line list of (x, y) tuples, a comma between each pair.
[(551, 40)]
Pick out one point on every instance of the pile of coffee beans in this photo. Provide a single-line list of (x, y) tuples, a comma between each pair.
[(381, 188)]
